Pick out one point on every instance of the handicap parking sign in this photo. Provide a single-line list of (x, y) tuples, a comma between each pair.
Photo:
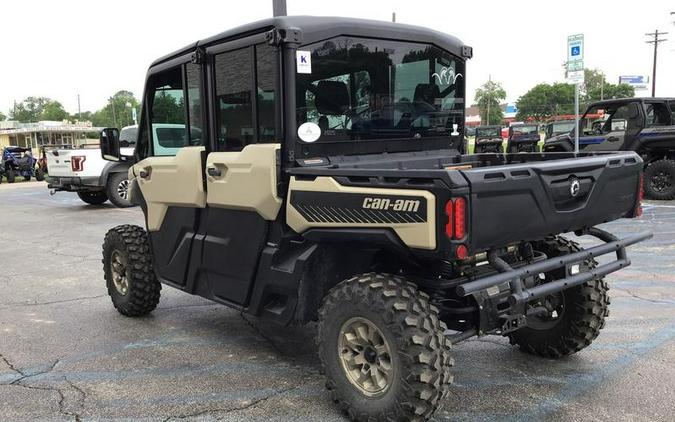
[(576, 50)]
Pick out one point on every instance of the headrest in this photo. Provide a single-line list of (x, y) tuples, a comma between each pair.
[(332, 98)]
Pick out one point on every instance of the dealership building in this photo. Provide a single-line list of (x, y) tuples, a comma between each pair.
[(49, 133)]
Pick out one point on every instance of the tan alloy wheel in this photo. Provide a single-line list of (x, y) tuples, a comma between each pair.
[(118, 269), (365, 356)]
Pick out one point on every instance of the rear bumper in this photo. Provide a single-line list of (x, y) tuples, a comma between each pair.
[(520, 294), (74, 184), (502, 297)]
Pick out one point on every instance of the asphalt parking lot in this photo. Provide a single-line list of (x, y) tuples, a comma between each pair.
[(66, 354)]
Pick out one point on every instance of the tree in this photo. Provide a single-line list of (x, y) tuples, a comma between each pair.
[(594, 79), (488, 97), (2, 117), (53, 110), (117, 113), (546, 100), (29, 110)]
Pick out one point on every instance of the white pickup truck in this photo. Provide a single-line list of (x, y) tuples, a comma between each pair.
[(85, 172)]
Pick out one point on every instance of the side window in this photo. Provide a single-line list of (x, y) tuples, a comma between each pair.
[(167, 113), (671, 104), (266, 65), (234, 110), (657, 114), (194, 101)]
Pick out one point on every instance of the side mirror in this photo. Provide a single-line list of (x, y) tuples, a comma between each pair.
[(110, 144)]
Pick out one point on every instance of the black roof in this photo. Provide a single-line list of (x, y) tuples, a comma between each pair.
[(630, 100), (317, 28)]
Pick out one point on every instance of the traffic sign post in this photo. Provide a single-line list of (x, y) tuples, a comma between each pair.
[(575, 75)]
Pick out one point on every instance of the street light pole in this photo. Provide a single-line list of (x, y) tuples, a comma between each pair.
[(656, 42)]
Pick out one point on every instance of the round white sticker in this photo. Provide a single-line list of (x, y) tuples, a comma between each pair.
[(309, 132)]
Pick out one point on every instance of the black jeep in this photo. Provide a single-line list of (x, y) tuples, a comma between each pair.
[(643, 125)]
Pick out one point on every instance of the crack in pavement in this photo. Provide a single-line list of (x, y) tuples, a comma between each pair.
[(77, 299), (246, 406), (20, 382), (636, 296)]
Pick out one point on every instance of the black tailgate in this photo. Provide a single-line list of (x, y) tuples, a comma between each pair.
[(531, 200)]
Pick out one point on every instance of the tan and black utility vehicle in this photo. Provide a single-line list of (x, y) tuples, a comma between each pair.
[(304, 169)]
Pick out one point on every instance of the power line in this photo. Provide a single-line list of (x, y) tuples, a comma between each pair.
[(656, 42)]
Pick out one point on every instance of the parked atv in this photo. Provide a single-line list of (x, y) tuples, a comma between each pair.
[(398, 246), (643, 125), (488, 139), (558, 127), (523, 138), (19, 161)]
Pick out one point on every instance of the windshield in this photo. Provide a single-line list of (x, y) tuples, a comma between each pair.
[(524, 130), (489, 132), (363, 89), (561, 127)]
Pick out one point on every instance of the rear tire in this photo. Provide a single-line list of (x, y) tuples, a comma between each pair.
[(579, 315), (118, 190), (39, 175), (129, 277), (26, 178), (380, 324), (93, 198), (11, 176), (659, 180)]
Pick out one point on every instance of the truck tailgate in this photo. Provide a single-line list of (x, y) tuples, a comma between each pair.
[(75, 162), (531, 200)]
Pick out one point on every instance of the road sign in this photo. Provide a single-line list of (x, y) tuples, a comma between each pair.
[(578, 65), (636, 81), (575, 76), (575, 48)]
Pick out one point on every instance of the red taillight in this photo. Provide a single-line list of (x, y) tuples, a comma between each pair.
[(460, 218), (77, 162), (641, 195), (450, 223), (455, 226)]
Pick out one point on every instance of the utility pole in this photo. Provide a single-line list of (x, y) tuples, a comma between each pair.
[(656, 42), (487, 118), (79, 111), (393, 16), (279, 8)]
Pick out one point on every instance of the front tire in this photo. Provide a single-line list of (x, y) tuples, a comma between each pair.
[(92, 198), (118, 190), (11, 176), (577, 314), (383, 349), (39, 175), (129, 277), (659, 180)]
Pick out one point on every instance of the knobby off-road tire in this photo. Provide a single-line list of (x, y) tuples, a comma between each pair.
[(659, 180), (118, 190), (129, 277), (407, 326), (39, 175), (584, 310), (11, 176), (93, 198)]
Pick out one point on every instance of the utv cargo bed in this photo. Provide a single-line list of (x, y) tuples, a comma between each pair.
[(510, 197)]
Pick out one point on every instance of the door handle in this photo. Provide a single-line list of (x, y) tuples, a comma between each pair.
[(612, 139), (213, 171)]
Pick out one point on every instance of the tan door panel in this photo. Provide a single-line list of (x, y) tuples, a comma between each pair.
[(171, 181), (414, 232), (247, 180)]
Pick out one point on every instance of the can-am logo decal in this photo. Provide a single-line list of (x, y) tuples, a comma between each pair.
[(407, 205), (447, 76)]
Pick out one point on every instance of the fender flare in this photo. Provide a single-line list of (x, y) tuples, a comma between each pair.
[(112, 168)]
